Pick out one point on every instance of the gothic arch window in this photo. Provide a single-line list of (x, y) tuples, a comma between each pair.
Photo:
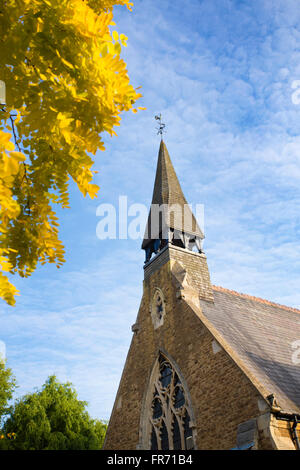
[(167, 414), (157, 308)]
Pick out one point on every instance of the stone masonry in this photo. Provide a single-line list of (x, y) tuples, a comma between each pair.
[(221, 394)]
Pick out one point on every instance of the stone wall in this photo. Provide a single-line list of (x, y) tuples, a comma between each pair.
[(222, 396)]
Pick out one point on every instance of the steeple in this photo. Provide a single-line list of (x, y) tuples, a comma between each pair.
[(170, 218)]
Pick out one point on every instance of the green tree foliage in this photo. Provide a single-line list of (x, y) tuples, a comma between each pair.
[(7, 387), (66, 85), (53, 419)]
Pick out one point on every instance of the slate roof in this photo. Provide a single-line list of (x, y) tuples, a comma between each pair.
[(261, 334), (167, 190)]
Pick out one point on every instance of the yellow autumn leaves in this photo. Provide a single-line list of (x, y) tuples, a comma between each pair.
[(10, 209), (67, 84)]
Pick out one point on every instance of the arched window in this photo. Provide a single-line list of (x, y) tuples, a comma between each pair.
[(167, 419)]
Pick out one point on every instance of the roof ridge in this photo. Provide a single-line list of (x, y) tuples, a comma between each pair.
[(256, 299)]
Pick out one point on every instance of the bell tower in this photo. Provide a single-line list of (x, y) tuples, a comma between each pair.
[(170, 219), (172, 232), (154, 406)]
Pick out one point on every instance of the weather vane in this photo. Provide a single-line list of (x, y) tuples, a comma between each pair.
[(161, 128)]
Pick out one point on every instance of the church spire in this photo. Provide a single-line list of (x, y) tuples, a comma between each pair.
[(170, 218)]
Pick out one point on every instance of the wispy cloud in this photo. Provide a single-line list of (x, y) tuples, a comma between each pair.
[(221, 73)]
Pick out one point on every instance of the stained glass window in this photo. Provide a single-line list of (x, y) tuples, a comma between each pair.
[(176, 434), (157, 411), (170, 414), (153, 440), (164, 439), (166, 375)]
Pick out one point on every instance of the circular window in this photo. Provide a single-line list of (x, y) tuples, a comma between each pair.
[(158, 308)]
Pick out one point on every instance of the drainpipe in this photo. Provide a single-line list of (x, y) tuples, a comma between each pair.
[(295, 433), (291, 419)]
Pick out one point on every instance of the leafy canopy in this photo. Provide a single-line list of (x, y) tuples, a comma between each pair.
[(53, 419), (7, 387), (66, 84)]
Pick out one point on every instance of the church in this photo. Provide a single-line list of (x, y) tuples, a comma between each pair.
[(208, 367)]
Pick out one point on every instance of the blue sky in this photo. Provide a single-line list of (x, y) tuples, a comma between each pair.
[(221, 74)]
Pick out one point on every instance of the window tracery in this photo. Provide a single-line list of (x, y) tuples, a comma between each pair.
[(169, 414)]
